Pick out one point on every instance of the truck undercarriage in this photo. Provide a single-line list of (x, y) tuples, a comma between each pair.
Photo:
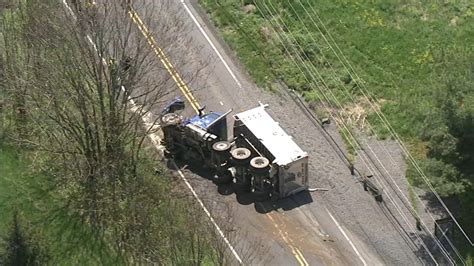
[(259, 158)]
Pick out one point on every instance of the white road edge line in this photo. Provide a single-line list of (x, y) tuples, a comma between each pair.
[(201, 29), (237, 257), (69, 9), (347, 238), (156, 141)]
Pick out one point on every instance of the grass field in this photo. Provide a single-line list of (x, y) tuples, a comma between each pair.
[(64, 240), (403, 52)]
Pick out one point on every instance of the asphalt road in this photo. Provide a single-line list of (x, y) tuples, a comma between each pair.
[(343, 226)]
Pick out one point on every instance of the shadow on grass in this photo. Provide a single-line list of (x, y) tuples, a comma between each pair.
[(65, 236)]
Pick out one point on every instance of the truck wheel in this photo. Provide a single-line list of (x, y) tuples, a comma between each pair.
[(170, 119), (221, 146), (224, 177), (260, 164), (261, 195), (240, 187), (241, 155)]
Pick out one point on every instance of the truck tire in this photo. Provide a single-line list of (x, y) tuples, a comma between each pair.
[(221, 146), (241, 188), (263, 193), (170, 119), (225, 177), (241, 155), (260, 164), (260, 196)]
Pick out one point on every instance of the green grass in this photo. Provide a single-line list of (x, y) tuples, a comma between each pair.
[(399, 50), (352, 147), (412, 196), (66, 240)]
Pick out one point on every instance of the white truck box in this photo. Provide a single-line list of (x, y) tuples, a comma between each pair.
[(289, 161)]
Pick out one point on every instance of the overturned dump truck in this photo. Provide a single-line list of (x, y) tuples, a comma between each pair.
[(259, 157)]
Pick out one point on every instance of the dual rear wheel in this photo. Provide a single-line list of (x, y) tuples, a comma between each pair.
[(220, 158), (241, 158)]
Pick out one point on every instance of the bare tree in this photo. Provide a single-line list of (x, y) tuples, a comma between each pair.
[(78, 74), (74, 71)]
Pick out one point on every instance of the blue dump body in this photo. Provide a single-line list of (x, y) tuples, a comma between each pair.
[(203, 121), (213, 122)]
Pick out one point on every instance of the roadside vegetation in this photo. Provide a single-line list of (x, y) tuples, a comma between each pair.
[(414, 60), (79, 182), (34, 228)]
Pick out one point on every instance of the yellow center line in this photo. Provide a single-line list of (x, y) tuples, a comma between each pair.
[(194, 103), (164, 59), (296, 252)]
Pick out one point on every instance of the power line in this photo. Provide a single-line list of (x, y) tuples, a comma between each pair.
[(398, 188), (385, 121), (239, 28), (369, 125), (350, 141), (375, 155)]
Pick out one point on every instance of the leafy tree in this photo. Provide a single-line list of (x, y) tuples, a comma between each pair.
[(450, 134)]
